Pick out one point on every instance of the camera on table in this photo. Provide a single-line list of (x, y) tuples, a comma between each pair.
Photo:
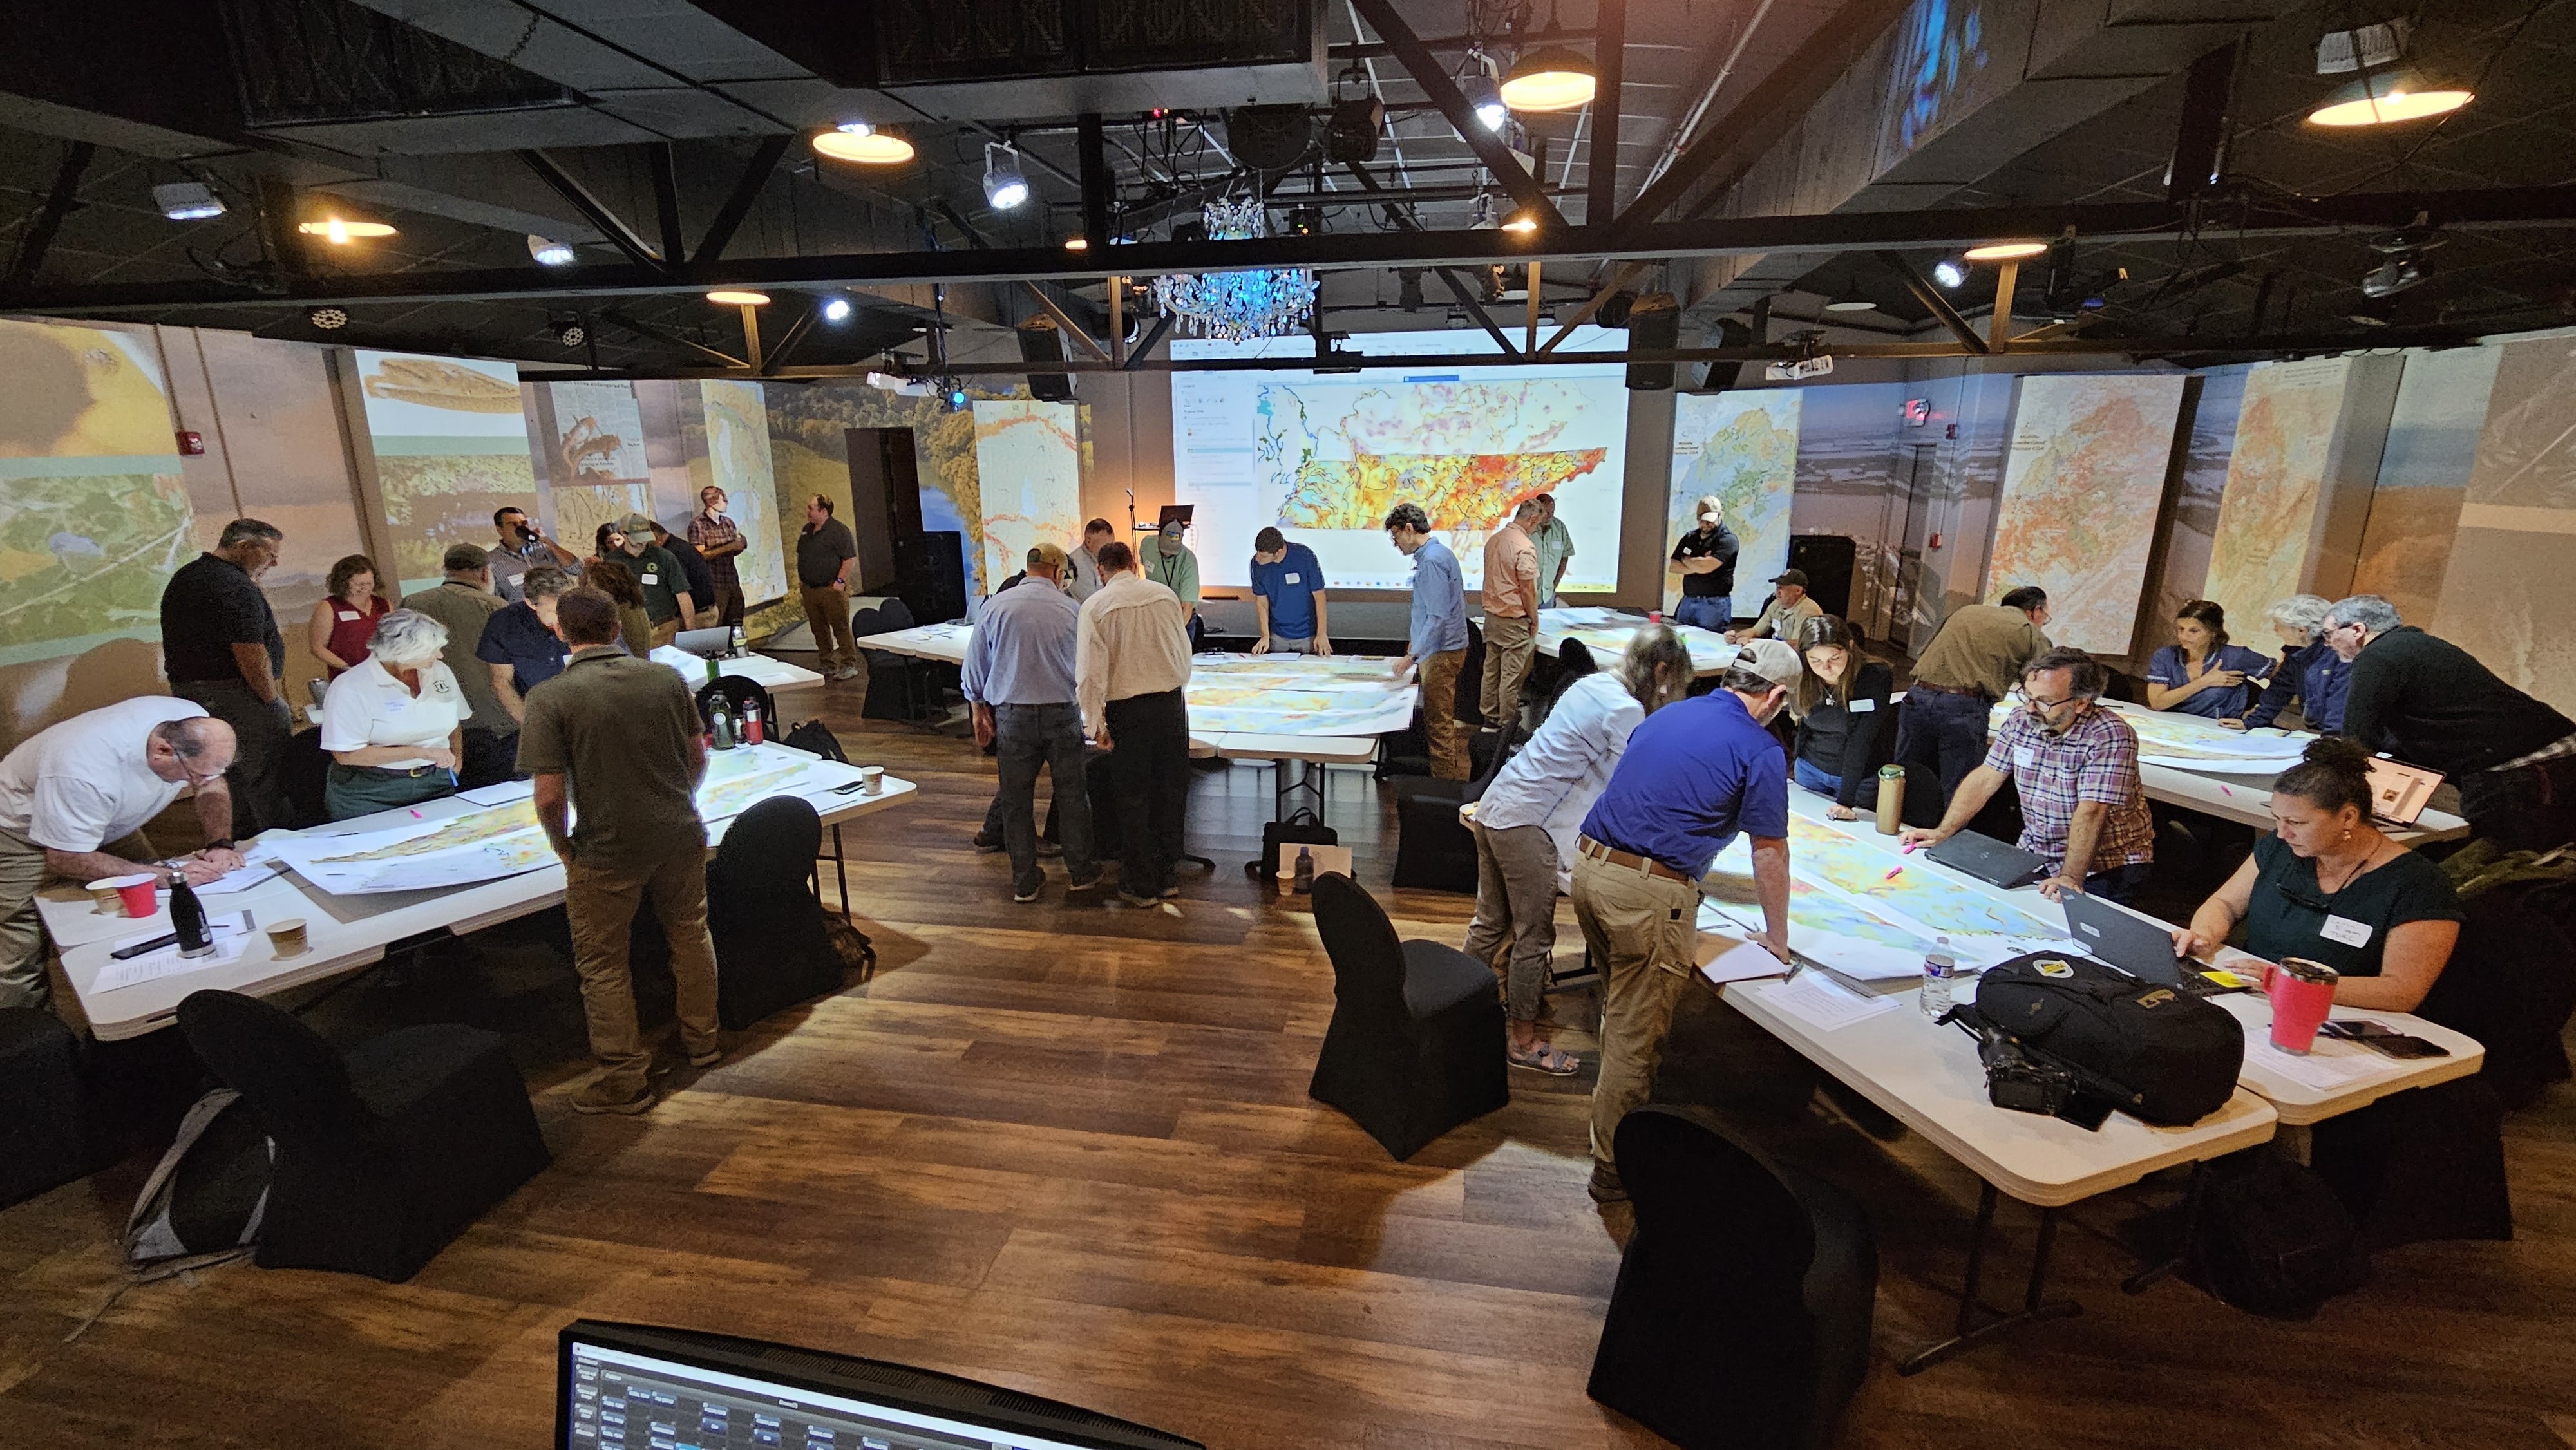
[(2015, 1079)]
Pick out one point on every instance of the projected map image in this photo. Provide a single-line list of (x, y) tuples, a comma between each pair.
[(1743, 447), (1324, 458), (2276, 477), (1028, 461)]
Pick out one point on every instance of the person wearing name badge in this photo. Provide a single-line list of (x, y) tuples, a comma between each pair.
[(2330, 886), (522, 545), (2200, 673), (1784, 613), (394, 726), (718, 539), (1288, 597), (464, 603), (1706, 558), (1511, 617), (1845, 729), (1163, 558), (345, 619), (1555, 549), (667, 601), (522, 645), (2075, 764), (2308, 671)]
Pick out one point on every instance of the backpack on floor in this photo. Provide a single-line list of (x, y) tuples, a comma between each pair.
[(2271, 1237), (203, 1203), (1302, 828)]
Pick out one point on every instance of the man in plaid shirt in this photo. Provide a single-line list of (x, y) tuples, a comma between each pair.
[(2075, 764)]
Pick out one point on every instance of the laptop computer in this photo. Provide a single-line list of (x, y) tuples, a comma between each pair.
[(2398, 791), (1990, 860), (2135, 945), (706, 644)]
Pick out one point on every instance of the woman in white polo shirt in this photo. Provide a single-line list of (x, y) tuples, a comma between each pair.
[(394, 725)]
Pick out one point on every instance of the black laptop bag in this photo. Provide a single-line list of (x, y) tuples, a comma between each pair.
[(2156, 1054)]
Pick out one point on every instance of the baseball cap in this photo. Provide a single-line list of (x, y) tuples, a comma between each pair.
[(634, 525), (1791, 576), (1046, 554), (1772, 660)]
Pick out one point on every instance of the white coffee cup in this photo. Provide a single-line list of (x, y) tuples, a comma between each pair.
[(871, 779)]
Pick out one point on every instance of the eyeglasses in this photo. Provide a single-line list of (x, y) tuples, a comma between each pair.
[(2041, 708), (2300, 898)]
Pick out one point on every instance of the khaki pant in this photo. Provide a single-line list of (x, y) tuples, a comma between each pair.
[(1515, 909), (665, 632), (827, 612), (1509, 643), (601, 902), (1639, 928), (22, 932), (1439, 677)]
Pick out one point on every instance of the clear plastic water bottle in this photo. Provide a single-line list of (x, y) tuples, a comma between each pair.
[(1940, 979)]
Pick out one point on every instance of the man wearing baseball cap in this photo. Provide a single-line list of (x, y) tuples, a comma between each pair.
[(1787, 612), (1694, 775), (667, 601), (1019, 678)]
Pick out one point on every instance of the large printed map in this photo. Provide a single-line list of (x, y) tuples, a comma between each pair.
[(1742, 447), (2276, 476), (1295, 695), (2188, 742), (1607, 634), (2081, 490)]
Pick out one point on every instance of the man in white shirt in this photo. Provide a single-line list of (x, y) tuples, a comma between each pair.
[(73, 800), (1131, 658), (1085, 581)]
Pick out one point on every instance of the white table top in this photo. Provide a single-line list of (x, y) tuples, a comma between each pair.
[(1606, 633), (776, 676), (342, 932), (2248, 799), (923, 641)]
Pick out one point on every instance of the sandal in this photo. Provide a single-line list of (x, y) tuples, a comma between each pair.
[(1541, 1057)]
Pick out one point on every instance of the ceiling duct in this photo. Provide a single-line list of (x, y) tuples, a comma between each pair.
[(304, 63)]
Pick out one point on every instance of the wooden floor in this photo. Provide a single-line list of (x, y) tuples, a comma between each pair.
[(1068, 1148)]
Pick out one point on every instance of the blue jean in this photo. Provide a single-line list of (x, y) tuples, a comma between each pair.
[(1024, 738), (1944, 733), (1814, 778), (1708, 611), (2120, 883)]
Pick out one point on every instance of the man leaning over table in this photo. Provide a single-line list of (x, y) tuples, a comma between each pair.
[(73, 800), (1694, 775), (616, 738), (1288, 597), (1019, 678), (1438, 641), (2083, 803)]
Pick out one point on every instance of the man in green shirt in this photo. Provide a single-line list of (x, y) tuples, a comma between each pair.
[(1167, 561), (666, 589), (1555, 547), (617, 737)]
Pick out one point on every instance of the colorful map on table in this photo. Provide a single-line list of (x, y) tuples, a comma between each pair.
[(1607, 633), (2188, 742), (1867, 912), (1296, 695), (2276, 478), (2081, 491), (1741, 446), (494, 842)]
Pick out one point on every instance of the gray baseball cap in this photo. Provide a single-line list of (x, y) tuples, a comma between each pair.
[(1772, 660)]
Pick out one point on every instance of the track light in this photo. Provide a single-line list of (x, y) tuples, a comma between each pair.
[(329, 319), (1004, 186), (836, 309), (1949, 273), (340, 231), (187, 201), (1550, 78), (1077, 244), (865, 144), (1484, 97), (1524, 221), (549, 253)]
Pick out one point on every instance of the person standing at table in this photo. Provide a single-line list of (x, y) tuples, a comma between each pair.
[(667, 601), (74, 798), (616, 740), (1438, 639), (523, 546), (1131, 660), (1693, 776), (1171, 563), (696, 571), (344, 619), (1784, 614), (520, 647), (1555, 548), (1844, 722), (1525, 826), (2307, 672), (2200, 673), (1975, 658), (1706, 557), (465, 603), (1084, 564), (220, 648), (2083, 804), (394, 726), (2430, 703), (1288, 597), (825, 554), (718, 539), (1019, 679), (634, 627), (1511, 617)]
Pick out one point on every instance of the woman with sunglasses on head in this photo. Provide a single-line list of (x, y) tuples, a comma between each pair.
[(2330, 886), (2200, 673), (1846, 729)]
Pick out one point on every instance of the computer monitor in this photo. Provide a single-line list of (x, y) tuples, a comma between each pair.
[(2398, 791), (632, 1386)]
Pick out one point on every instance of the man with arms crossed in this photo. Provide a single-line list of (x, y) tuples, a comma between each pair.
[(1706, 558), (1288, 595), (718, 539)]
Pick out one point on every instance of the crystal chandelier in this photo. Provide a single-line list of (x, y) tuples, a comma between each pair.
[(1236, 306)]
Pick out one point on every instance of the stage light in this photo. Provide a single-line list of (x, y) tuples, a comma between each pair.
[(957, 399), (865, 144), (1004, 186), (329, 319), (1550, 78), (1305, 221), (549, 253), (1524, 221), (2005, 251), (571, 332), (1483, 96), (836, 309), (730, 297), (187, 201), (340, 231), (1949, 274), (2387, 98)]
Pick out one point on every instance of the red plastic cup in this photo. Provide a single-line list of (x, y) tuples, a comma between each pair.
[(140, 893), (2302, 993), (1654, 616)]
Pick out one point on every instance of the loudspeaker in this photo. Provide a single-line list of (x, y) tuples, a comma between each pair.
[(1829, 561), (930, 575), (1654, 324), (1042, 342), (885, 498), (1722, 375), (1269, 138)]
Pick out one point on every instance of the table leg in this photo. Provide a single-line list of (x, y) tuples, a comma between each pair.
[(2153, 1274), (1979, 1321), (841, 870)]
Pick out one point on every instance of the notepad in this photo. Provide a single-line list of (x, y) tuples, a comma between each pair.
[(1825, 1004), (2329, 1066)]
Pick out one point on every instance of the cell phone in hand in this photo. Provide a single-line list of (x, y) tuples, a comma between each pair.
[(2382, 1038)]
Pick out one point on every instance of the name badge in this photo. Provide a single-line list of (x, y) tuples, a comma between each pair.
[(349, 616), (1862, 707), (1293, 579), (652, 578), (2025, 758), (2346, 930)]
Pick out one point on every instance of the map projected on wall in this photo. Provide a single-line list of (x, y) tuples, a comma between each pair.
[(1324, 457)]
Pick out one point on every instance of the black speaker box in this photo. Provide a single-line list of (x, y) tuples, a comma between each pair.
[(1829, 561), (1269, 138), (930, 575), (1654, 324), (1042, 342)]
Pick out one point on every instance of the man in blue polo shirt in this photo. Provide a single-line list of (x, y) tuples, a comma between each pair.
[(1288, 594), (1694, 774)]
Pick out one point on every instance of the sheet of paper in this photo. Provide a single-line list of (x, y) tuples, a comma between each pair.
[(2328, 1066), (231, 934), (499, 795), (241, 880), (1825, 1004), (1725, 959)]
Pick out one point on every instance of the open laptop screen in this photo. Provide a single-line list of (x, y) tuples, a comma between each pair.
[(2398, 791)]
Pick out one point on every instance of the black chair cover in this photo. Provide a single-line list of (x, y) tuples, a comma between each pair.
[(1416, 1042)]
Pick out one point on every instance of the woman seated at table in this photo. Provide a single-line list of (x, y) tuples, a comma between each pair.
[(395, 724), (610, 576), (2308, 672), (1526, 822), (2327, 885), (346, 617), (2200, 673), (1845, 727)]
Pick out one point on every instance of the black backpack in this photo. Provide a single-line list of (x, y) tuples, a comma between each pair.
[(2271, 1237), (816, 738), (1302, 828), (2158, 1055)]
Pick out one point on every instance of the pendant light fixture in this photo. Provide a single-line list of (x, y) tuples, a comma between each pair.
[(862, 143), (1550, 78)]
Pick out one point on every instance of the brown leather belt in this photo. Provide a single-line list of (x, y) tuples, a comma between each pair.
[(1972, 691), (1652, 867)]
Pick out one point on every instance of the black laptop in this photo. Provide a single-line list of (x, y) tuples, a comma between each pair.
[(2135, 945), (1991, 860)]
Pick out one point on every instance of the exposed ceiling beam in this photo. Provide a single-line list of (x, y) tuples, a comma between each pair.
[(796, 331), (1610, 58), (1426, 70), (1593, 304), (1402, 220), (1146, 344), (1933, 302), (59, 203), (669, 339), (738, 203), (578, 196), (666, 201), (1063, 320)]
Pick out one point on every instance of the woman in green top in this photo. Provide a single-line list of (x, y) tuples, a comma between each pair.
[(2327, 885)]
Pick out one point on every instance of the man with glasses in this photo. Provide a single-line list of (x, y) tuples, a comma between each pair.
[(73, 800), (2429, 702), (2083, 805), (220, 647)]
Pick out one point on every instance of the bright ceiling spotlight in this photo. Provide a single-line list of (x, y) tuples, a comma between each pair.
[(1004, 186), (187, 201), (865, 144), (340, 231), (2387, 98), (1484, 97), (1550, 78), (836, 309), (2005, 251), (733, 297), (1949, 274), (1524, 221), (1077, 244), (549, 253)]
